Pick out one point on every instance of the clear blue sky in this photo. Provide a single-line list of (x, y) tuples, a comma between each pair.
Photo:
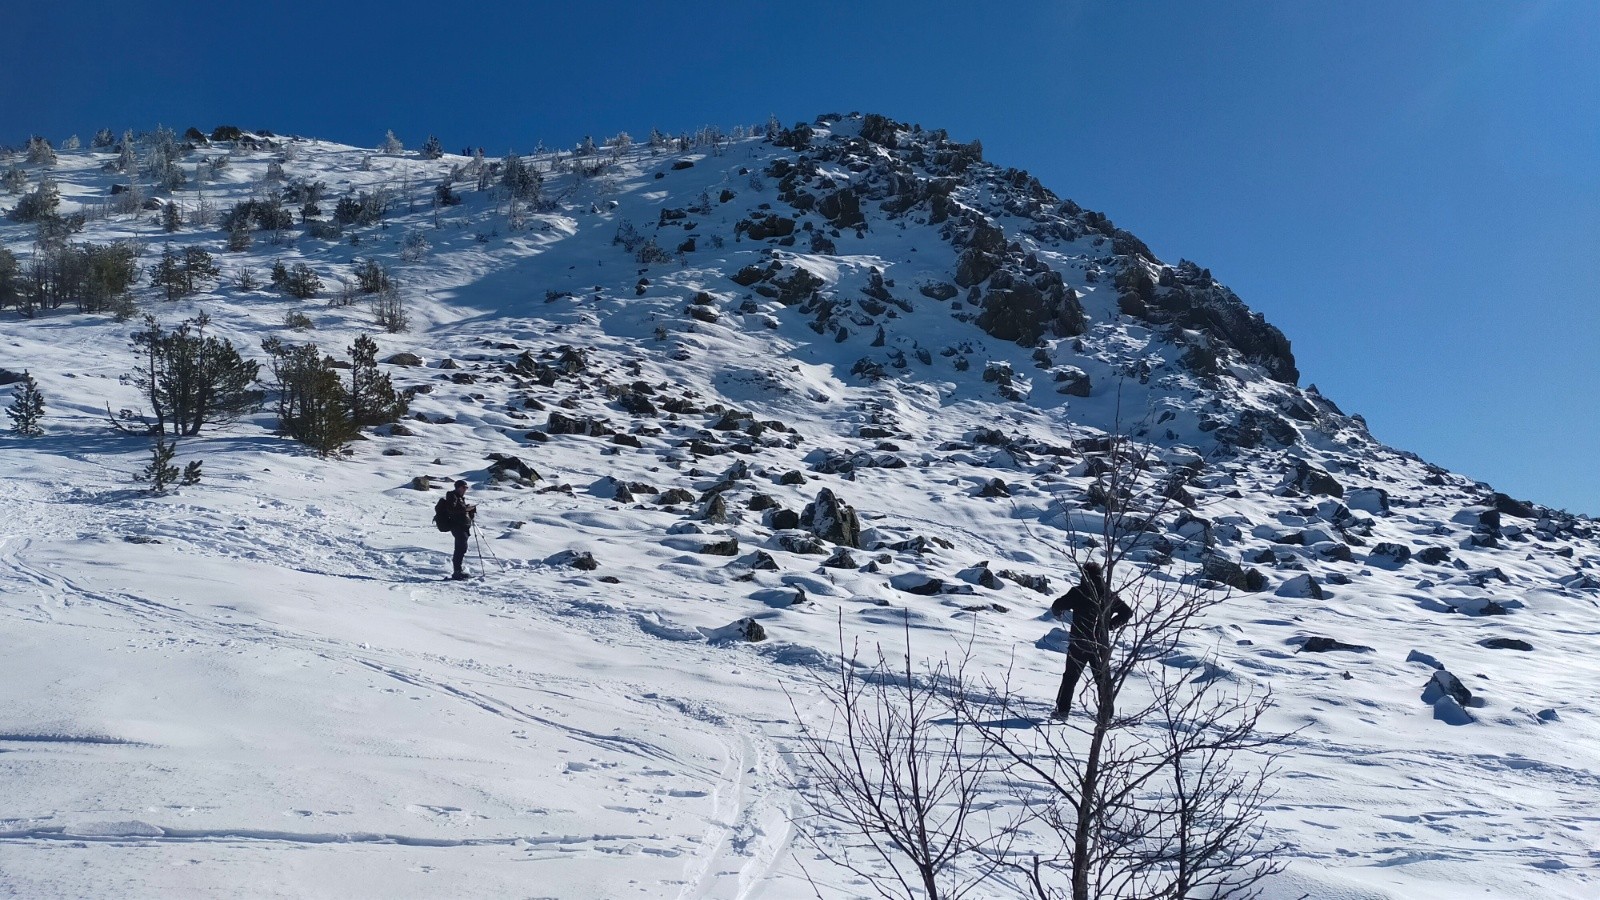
[(1411, 191)]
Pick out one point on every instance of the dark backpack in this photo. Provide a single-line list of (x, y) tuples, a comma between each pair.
[(441, 514)]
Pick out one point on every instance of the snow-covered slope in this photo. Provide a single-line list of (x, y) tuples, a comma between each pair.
[(260, 685)]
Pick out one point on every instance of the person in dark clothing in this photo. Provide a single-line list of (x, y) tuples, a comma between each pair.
[(458, 515), (1096, 612)]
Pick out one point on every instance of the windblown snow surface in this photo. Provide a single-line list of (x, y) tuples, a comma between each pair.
[(261, 685)]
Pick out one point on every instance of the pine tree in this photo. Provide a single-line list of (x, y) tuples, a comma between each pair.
[(313, 406), (391, 144), (161, 473), (191, 379), (373, 400), (40, 152), (27, 407), (433, 149), (171, 220), (180, 273)]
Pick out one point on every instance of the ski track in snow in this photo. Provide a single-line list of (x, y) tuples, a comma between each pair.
[(746, 834)]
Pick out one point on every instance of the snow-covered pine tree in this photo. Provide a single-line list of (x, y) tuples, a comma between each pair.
[(27, 408)]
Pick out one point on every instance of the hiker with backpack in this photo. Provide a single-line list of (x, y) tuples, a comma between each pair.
[(1096, 612), (454, 514)]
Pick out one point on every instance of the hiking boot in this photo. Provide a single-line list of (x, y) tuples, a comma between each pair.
[(1059, 714), (459, 576)]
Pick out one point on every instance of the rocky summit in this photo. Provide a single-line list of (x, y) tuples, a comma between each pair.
[(721, 399)]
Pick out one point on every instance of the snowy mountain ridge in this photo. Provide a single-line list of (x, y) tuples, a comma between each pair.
[(650, 361)]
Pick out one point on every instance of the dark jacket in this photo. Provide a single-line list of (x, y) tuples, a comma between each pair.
[(456, 513), (1096, 612)]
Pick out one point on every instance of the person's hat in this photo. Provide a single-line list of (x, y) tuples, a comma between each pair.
[(461, 483)]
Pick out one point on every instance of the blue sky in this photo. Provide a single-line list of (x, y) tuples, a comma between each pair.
[(1411, 191)]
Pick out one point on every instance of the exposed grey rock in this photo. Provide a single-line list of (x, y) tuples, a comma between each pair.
[(1502, 643), (841, 559), (1330, 645), (832, 519), (1234, 575), (981, 576), (1433, 556), (729, 547), (1311, 480), (582, 560), (1424, 658), (1389, 555), (509, 468), (1443, 684), (1372, 500), (1073, 382), (800, 542), (917, 583), (564, 424), (994, 488), (1037, 583), (1303, 587), (716, 510)]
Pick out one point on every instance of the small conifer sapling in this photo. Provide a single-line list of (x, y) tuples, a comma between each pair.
[(27, 408)]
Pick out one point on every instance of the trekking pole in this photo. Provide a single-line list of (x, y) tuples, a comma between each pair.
[(479, 542), (482, 569)]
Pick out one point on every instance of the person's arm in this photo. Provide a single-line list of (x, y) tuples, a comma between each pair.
[(1120, 613), (1072, 601)]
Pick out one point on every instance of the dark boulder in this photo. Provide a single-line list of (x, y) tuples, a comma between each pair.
[(1233, 575), (1018, 310), (1037, 583), (981, 576), (1073, 381), (917, 583), (1506, 505), (841, 559), (832, 519), (768, 227), (728, 547), (748, 275), (563, 424), (1443, 684), (842, 208), (510, 468), (994, 488), (1330, 645), (1309, 479), (1433, 556), (800, 542), (1501, 643), (1389, 555), (582, 560)]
